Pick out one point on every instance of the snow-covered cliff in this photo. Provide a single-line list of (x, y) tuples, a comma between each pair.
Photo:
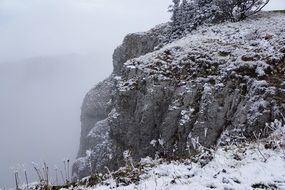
[(220, 85)]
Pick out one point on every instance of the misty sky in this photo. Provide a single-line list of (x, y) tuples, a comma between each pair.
[(32, 28), (59, 49)]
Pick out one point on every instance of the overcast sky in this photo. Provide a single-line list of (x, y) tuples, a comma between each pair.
[(32, 28), (41, 110)]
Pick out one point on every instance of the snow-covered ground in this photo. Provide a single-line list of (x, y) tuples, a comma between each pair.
[(261, 35), (258, 165), (225, 171)]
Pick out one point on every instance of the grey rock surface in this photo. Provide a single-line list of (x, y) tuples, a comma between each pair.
[(219, 85), (137, 44)]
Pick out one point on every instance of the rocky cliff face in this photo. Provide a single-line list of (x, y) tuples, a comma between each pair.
[(221, 84)]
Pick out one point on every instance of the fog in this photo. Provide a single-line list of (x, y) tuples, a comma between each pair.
[(39, 114), (51, 53)]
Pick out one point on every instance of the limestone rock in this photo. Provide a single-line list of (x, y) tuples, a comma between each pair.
[(186, 94)]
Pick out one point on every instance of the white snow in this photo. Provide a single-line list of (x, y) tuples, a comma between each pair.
[(153, 142), (258, 39), (235, 167)]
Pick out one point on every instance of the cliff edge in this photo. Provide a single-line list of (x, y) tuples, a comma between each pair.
[(219, 85)]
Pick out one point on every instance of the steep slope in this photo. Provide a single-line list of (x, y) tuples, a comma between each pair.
[(242, 167), (219, 85)]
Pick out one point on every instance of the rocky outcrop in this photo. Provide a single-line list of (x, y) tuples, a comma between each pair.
[(221, 84), (137, 44)]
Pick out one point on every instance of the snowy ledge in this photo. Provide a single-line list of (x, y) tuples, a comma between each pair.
[(257, 165)]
